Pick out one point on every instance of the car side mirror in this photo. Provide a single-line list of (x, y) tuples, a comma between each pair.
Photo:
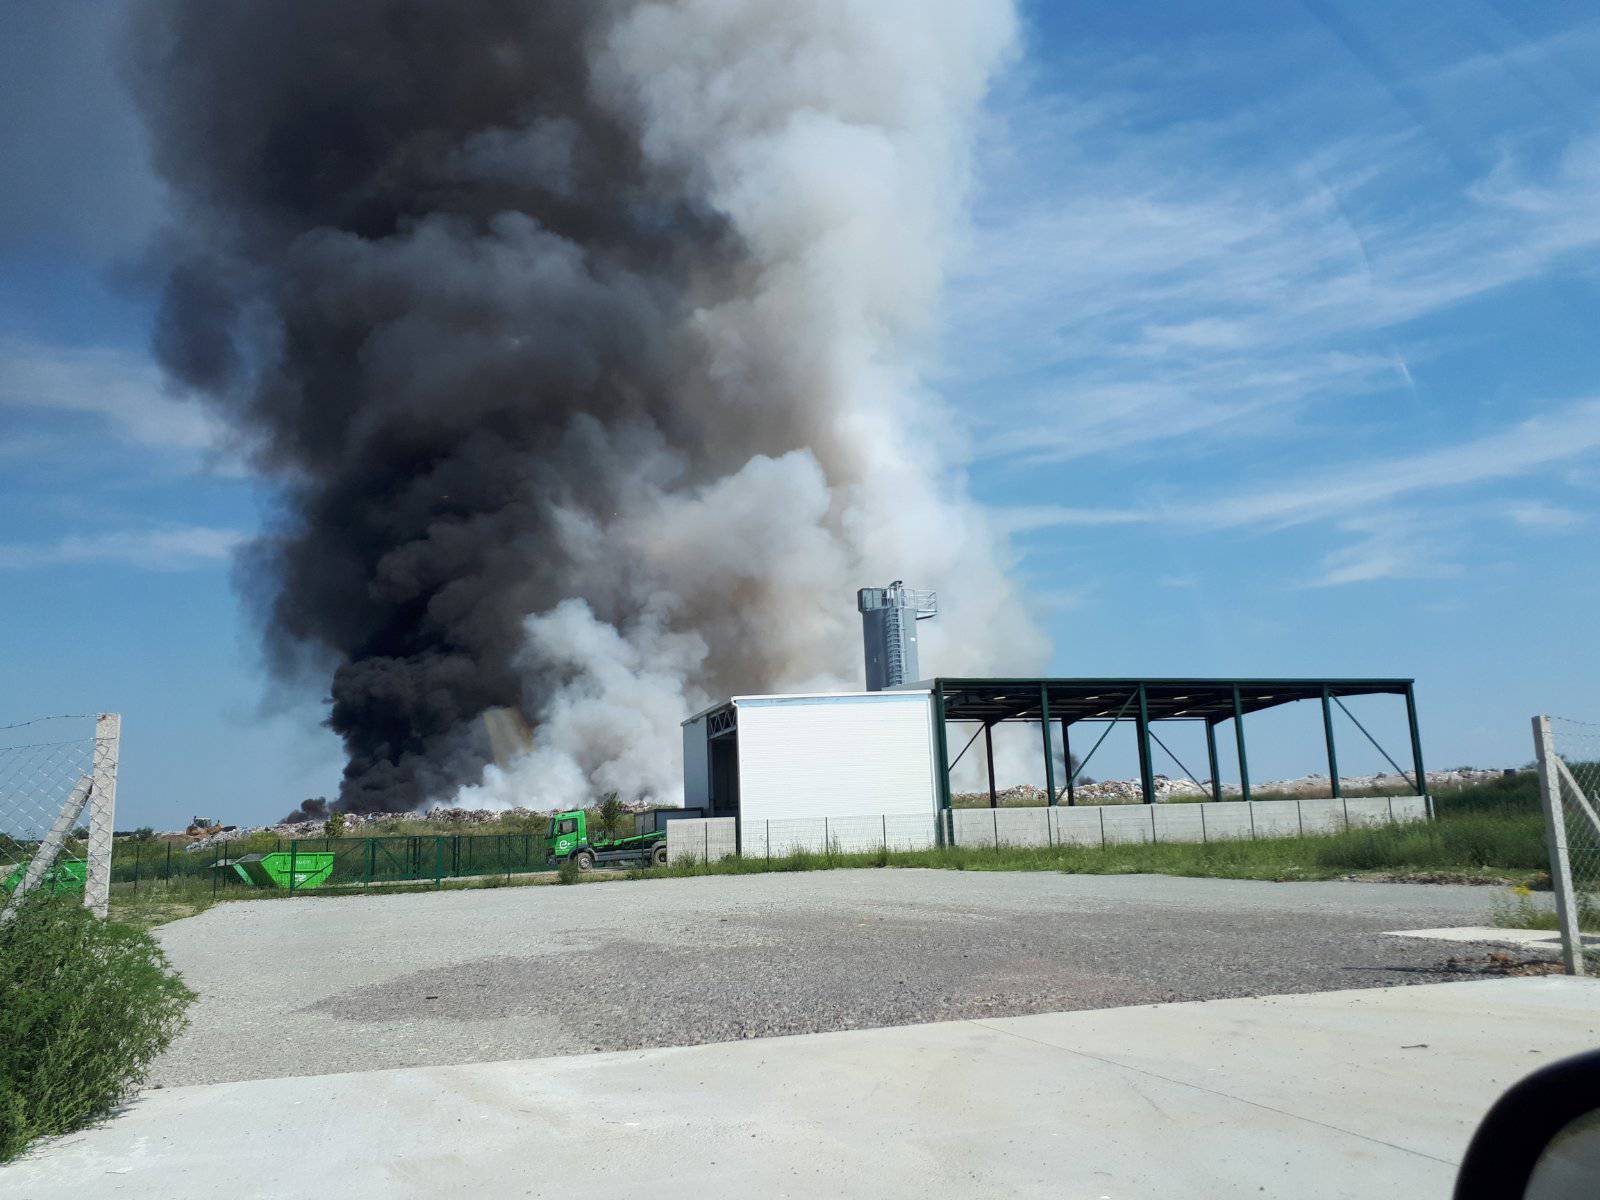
[(1541, 1139)]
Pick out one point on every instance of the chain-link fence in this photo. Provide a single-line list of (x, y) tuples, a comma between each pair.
[(58, 789), (1569, 781)]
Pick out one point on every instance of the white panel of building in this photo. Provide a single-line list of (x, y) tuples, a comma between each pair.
[(853, 755), (696, 785)]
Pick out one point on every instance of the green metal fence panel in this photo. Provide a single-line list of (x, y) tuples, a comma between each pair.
[(336, 862)]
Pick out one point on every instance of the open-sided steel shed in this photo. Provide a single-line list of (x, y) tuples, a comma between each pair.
[(1147, 702)]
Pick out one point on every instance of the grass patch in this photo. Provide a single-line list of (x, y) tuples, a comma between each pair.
[(157, 903), (1491, 831), (1520, 910), (87, 1005), (1417, 851)]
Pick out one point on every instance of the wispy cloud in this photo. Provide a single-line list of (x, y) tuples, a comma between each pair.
[(1537, 514), (1233, 320), (1151, 282), (1360, 500), (1387, 547), (1021, 519), (1556, 436), (171, 549), (123, 387)]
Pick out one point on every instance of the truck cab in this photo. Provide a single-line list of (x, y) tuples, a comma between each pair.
[(568, 831)]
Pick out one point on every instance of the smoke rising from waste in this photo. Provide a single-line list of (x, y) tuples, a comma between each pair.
[(584, 341)]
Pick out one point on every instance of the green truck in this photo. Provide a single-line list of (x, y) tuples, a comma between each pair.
[(569, 840)]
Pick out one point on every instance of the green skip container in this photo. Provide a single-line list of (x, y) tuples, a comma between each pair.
[(68, 875), (273, 869)]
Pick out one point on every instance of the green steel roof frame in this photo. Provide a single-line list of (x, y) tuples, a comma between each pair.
[(1069, 700), (969, 699)]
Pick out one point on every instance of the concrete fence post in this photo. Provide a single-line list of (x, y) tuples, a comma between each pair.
[(102, 801), (1555, 828)]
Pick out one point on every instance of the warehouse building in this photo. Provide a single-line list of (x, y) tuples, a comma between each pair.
[(873, 767)]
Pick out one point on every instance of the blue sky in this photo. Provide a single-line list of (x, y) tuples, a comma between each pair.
[(1274, 335)]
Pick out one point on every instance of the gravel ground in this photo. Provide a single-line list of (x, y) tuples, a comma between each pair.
[(313, 986)]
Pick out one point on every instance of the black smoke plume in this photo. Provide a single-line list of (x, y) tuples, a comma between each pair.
[(569, 333)]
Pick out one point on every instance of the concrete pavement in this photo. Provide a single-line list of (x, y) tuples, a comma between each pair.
[(1336, 1094), (322, 985), (1543, 943)]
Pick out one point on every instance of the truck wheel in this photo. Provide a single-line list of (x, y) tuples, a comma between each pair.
[(659, 856), (584, 859)]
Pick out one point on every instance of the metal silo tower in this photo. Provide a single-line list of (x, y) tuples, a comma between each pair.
[(889, 619)]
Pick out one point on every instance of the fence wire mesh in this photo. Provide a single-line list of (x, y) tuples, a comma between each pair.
[(57, 788), (1573, 788)]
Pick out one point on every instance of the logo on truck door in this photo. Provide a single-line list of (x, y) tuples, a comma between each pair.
[(566, 835)]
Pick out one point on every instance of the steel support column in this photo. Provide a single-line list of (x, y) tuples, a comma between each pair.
[(988, 754), (1211, 754), (1066, 760), (942, 751), (1044, 734), (1147, 778), (1238, 733), (1333, 755), (1416, 743)]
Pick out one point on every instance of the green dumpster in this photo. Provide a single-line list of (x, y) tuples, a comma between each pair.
[(273, 869), (68, 875), (234, 866)]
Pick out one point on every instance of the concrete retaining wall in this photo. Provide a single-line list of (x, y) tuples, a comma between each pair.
[(1089, 825), (839, 835), (1208, 821), (704, 838)]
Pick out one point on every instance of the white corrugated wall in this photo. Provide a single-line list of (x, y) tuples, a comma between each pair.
[(845, 756)]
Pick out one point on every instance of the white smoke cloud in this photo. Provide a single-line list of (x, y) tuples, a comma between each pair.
[(833, 139)]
